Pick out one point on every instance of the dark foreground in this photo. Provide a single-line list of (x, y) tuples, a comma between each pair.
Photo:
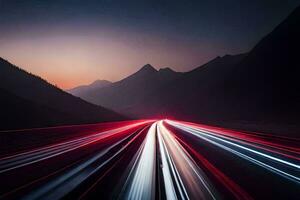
[(147, 159)]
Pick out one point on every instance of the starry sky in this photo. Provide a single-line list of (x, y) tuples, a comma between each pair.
[(74, 42)]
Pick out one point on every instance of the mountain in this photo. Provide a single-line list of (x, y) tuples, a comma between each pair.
[(192, 95), (126, 94), (265, 80), (81, 90), (28, 101), (259, 88), (268, 78), (18, 113)]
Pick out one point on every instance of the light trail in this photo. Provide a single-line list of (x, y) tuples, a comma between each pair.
[(255, 140), (238, 149), (141, 181), (235, 189), (62, 185), (23, 159), (246, 138), (169, 173), (191, 180), (165, 159)]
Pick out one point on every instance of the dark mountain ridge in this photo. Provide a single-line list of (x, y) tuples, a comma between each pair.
[(260, 87), (81, 90), (268, 77), (22, 85), (190, 94), (128, 92)]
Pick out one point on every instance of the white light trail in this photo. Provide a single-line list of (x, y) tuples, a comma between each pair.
[(30, 157), (141, 181), (166, 161), (227, 145), (192, 181), (62, 185)]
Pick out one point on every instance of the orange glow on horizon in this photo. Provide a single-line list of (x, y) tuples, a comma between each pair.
[(69, 60)]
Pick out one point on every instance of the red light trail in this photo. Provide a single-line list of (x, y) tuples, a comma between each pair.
[(149, 159)]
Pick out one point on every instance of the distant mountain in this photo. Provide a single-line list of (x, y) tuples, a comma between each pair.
[(157, 93), (83, 89), (260, 87), (191, 95), (268, 78), (124, 95), (38, 103)]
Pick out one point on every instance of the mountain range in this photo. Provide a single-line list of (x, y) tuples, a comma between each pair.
[(83, 89), (128, 93), (28, 101), (258, 87), (254, 90)]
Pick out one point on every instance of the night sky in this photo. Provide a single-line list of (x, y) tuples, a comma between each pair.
[(76, 42)]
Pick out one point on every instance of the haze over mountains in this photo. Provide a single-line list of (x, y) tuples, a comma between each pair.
[(129, 93), (28, 101), (261, 86), (83, 89)]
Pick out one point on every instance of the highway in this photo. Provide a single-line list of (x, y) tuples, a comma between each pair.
[(147, 159)]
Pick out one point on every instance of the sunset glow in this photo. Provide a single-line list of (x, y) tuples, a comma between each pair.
[(74, 45)]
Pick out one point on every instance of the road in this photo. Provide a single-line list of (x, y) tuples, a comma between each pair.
[(147, 159)]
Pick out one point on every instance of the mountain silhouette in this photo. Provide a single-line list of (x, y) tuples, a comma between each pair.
[(268, 78), (42, 104), (259, 87), (81, 90), (126, 94), (18, 113)]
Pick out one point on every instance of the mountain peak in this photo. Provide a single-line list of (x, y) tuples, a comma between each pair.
[(77, 91), (100, 82), (166, 70), (147, 68)]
